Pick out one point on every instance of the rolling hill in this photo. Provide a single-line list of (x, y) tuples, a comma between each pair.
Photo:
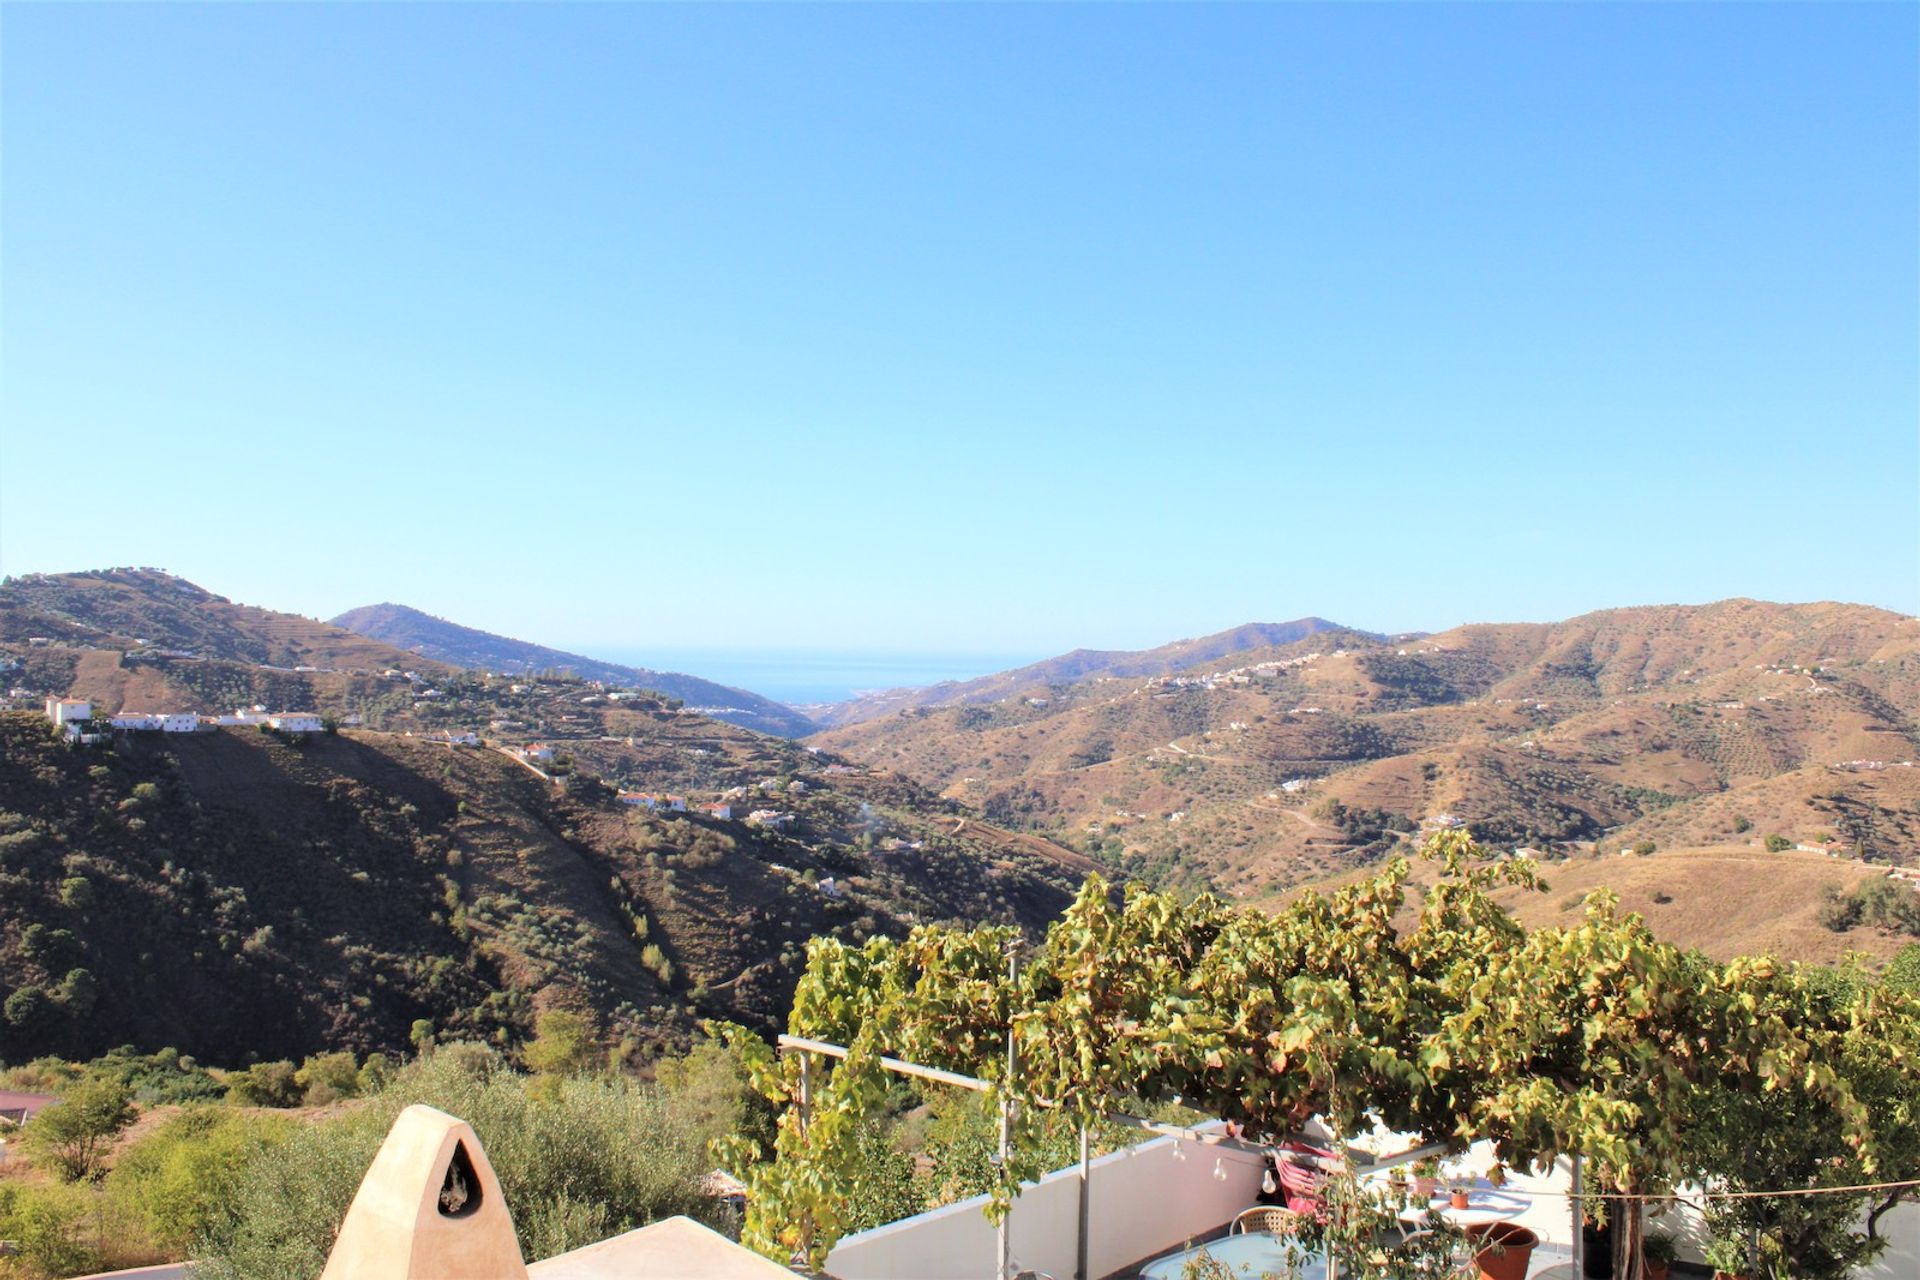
[(1083, 665), (1681, 724), (150, 611), (444, 641)]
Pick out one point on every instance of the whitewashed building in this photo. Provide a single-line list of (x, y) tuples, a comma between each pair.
[(64, 711), (296, 722)]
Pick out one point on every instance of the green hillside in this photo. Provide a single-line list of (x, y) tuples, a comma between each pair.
[(235, 895)]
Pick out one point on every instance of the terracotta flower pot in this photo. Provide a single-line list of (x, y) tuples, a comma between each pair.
[(1424, 1186), (1459, 1200), (1508, 1261), (1655, 1268)]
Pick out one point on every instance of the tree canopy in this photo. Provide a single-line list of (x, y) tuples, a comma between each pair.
[(1444, 1018)]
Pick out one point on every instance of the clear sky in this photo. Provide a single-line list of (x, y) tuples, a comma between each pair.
[(983, 328)]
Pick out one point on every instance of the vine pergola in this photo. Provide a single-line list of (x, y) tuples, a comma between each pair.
[(1447, 1020)]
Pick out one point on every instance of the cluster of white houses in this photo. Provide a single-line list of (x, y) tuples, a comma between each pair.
[(74, 717)]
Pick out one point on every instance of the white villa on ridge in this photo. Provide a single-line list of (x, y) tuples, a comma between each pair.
[(158, 721), (65, 711), (296, 722)]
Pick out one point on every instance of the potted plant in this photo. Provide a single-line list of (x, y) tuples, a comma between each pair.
[(1728, 1258), (1502, 1250), (1457, 1195), (1426, 1177), (1657, 1250)]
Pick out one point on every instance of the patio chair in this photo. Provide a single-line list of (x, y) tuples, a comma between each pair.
[(1303, 1175), (1270, 1218)]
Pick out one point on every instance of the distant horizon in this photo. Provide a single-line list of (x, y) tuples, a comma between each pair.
[(630, 652)]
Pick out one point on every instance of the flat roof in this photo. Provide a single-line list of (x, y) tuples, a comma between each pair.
[(677, 1247)]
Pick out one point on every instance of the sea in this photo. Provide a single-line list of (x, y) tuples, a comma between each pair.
[(803, 677)]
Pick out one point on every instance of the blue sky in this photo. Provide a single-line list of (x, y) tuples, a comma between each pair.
[(985, 328)]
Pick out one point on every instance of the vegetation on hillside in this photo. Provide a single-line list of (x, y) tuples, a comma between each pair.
[(247, 899), (445, 641)]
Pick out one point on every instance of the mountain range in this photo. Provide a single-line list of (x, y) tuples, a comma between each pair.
[(444, 641), (237, 893), (329, 891), (1684, 725), (1082, 665)]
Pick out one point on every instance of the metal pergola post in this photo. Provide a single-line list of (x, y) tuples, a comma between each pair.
[(1579, 1222), (1006, 1127), (1081, 1271)]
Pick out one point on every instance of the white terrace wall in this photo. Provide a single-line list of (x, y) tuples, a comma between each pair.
[(1153, 1198), (1142, 1201)]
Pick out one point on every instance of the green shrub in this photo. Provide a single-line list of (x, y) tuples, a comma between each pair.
[(72, 1137), (562, 1044), (589, 1159), (178, 1179), (1838, 911), (47, 1227), (265, 1084), (1778, 843), (328, 1077)]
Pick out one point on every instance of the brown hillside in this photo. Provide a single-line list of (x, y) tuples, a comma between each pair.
[(1661, 720)]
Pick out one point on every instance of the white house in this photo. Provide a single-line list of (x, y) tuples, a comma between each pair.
[(63, 711), (456, 738), (772, 819), (639, 799), (136, 720), (295, 722), (538, 751), (829, 887), (724, 812), (796, 787)]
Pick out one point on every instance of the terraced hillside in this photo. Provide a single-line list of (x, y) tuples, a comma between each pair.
[(1676, 723)]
